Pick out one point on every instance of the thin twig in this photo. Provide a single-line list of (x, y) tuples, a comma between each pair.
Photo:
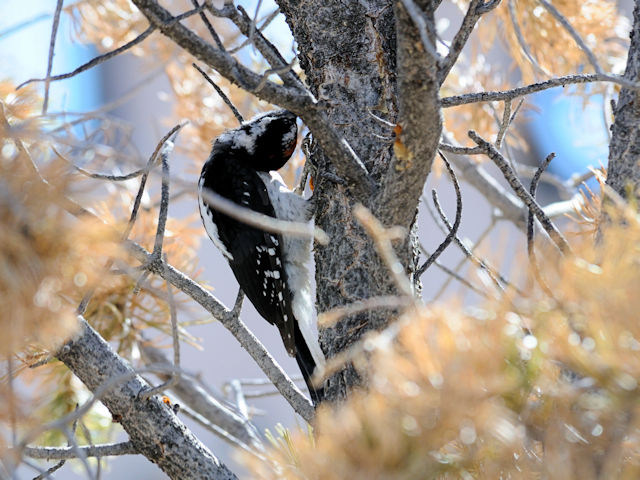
[(266, 48), (574, 34), (240, 400), (52, 48), (207, 23), (136, 206), (143, 181), (456, 224), (279, 71), (252, 28), (263, 222), (194, 394), (382, 239), (331, 317), (99, 176), (67, 453), (452, 276), (456, 269), (225, 99), (504, 125), (519, 190), (237, 305), (491, 96), (221, 432), (521, 41), (164, 198), (447, 147), (530, 226), (174, 378), (265, 23), (476, 9), (94, 61), (106, 56), (498, 280)]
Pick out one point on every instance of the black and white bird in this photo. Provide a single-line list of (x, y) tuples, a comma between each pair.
[(270, 268)]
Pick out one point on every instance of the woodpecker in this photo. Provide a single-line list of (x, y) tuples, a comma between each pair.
[(270, 268)]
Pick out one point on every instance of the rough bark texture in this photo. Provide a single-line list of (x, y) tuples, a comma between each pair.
[(624, 150), (348, 51), (154, 430), (355, 68)]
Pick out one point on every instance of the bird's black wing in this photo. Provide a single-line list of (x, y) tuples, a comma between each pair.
[(256, 255)]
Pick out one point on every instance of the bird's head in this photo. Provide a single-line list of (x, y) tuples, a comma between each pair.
[(265, 142)]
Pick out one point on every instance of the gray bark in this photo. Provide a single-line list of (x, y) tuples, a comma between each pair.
[(624, 149), (355, 65), (153, 429)]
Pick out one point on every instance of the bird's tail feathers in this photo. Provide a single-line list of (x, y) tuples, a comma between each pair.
[(307, 366)]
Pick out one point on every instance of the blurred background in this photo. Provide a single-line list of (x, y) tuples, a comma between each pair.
[(549, 121)]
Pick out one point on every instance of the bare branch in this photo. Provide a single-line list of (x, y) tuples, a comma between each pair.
[(99, 176), (225, 99), (263, 222), (447, 147), (452, 276), (504, 125), (153, 428), (52, 48), (238, 394), (212, 410), (239, 330), (521, 41), (207, 23), (476, 97), (476, 9), (174, 378), (530, 224), (574, 34), (511, 208), (95, 61), (164, 199), (497, 279), (266, 21), (67, 453), (134, 211), (456, 224), (265, 47), (106, 56), (519, 189)]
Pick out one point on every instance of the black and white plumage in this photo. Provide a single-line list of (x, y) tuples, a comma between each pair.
[(270, 268)]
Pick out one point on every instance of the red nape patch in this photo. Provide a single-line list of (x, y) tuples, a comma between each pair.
[(290, 150)]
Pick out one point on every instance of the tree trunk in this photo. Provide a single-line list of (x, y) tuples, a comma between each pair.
[(624, 150), (349, 52)]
